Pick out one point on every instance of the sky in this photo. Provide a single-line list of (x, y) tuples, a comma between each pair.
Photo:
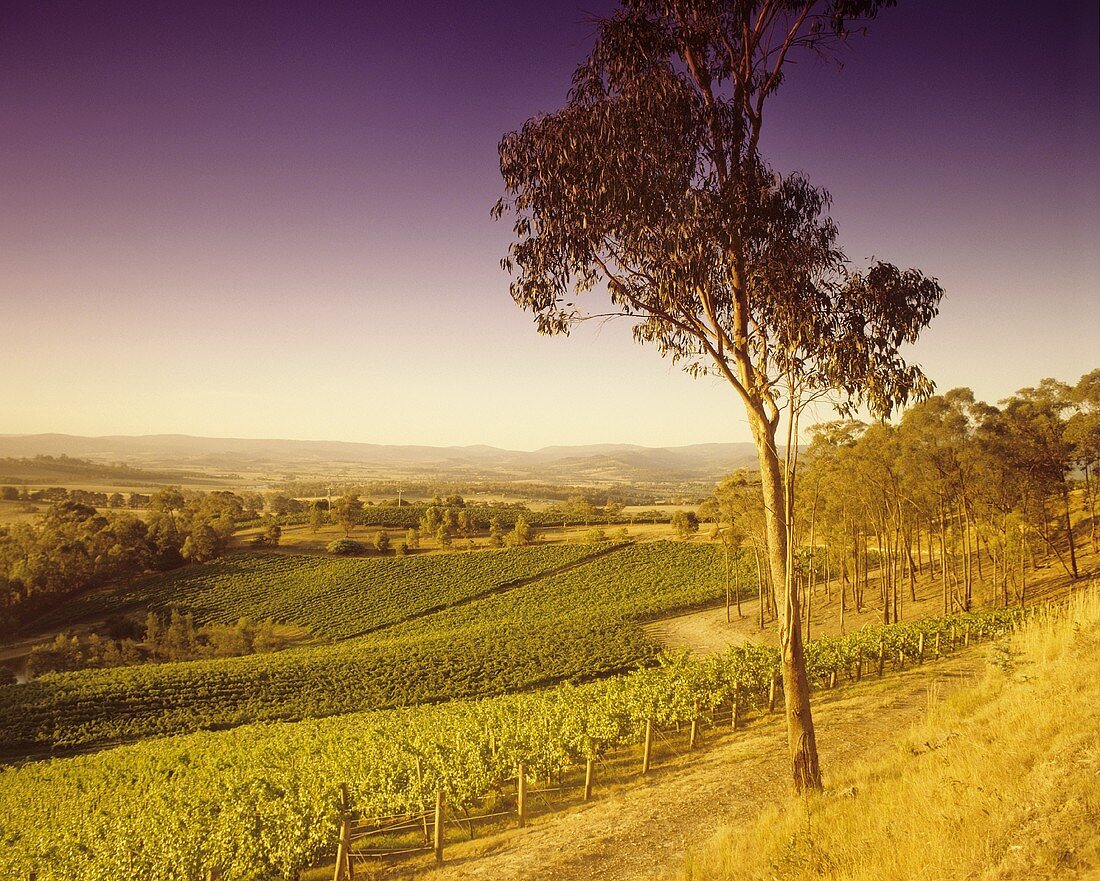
[(272, 220)]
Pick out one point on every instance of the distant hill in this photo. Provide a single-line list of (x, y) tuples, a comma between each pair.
[(65, 469), (593, 463)]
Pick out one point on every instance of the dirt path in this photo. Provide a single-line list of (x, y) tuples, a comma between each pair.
[(642, 830)]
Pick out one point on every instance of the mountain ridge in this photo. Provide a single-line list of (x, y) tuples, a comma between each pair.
[(603, 462)]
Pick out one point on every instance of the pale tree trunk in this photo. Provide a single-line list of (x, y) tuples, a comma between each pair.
[(1091, 497), (801, 740), (1069, 530)]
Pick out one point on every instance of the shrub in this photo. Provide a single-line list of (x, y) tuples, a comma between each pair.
[(346, 547)]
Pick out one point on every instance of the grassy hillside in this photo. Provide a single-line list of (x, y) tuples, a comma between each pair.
[(1003, 781)]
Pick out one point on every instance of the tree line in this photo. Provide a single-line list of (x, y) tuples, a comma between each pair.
[(969, 495), (171, 637), (74, 546)]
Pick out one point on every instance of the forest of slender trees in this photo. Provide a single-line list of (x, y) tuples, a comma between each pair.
[(970, 496)]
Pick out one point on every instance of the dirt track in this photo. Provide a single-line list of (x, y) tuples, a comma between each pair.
[(642, 830)]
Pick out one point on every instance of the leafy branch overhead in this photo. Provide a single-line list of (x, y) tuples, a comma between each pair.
[(649, 182)]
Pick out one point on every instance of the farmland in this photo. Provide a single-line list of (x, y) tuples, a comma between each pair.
[(334, 598), (568, 625), (246, 803)]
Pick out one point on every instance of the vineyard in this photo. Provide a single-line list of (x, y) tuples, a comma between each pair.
[(568, 626), (336, 598), (262, 801)]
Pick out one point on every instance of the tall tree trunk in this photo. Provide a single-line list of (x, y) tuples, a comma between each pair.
[(909, 564), (1069, 530), (726, 560), (759, 582), (801, 740), (943, 563)]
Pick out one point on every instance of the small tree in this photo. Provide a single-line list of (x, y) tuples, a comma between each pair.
[(273, 535), (685, 523), (348, 512), (594, 536), (496, 533), (521, 534), (382, 542)]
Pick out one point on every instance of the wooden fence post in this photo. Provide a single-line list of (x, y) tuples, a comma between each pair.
[(694, 736), (344, 867), (437, 832), (966, 635), (521, 794), (588, 780), (771, 695), (733, 712), (647, 749), (832, 679), (881, 657), (920, 649), (423, 811), (901, 659), (859, 666), (937, 644)]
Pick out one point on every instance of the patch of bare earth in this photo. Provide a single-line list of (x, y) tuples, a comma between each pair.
[(641, 830)]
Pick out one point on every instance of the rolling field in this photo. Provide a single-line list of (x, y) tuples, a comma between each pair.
[(566, 625), (331, 597)]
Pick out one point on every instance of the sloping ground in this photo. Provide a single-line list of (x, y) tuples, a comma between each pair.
[(1001, 784), (642, 830)]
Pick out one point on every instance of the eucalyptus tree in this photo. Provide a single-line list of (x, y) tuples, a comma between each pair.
[(1038, 448), (649, 183), (732, 509), (1083, 432), (830, 465), (940, 462)]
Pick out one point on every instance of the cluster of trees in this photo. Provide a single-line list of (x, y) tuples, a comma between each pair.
[(441, 492), (74, 546), (80, 496), (969, 495), (442, 524), (171, 638)]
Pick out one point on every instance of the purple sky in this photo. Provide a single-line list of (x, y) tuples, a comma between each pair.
[(219, 219)]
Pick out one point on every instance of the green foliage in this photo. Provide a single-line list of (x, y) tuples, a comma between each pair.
[(346, 547), (75, 547), (332, 598), (686, 523)]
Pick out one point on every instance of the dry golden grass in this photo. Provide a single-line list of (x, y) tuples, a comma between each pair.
[(1001, 781)]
